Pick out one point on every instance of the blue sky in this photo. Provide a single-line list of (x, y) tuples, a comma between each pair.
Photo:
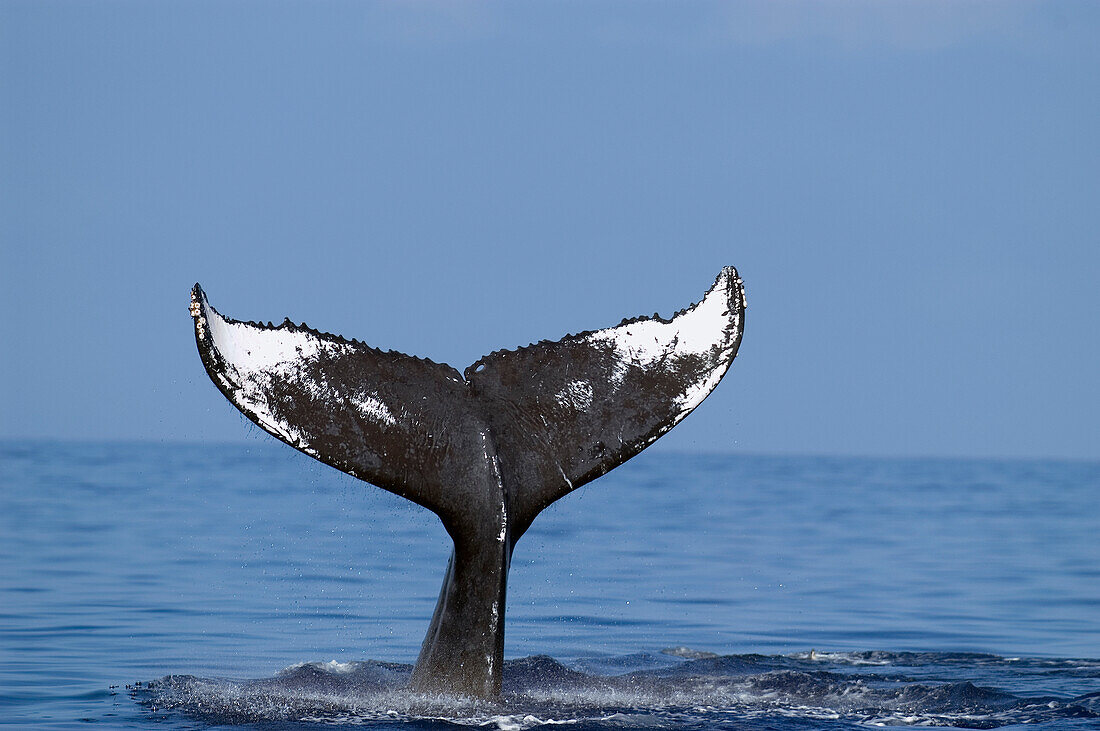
[(909, 189)]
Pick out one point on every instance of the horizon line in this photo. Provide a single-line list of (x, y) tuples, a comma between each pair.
[(671, 450)]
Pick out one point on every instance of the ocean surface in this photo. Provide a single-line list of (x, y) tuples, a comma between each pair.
[(208, 586)]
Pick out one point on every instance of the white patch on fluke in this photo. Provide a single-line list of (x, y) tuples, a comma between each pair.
[(706, 330), (253, 351), (371, 406), (578, 395), (255, 357), (566, 477)]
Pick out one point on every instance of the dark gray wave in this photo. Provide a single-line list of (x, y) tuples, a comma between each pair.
[(658, 690)]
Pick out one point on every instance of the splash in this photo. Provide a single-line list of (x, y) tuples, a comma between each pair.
[(679, 688)]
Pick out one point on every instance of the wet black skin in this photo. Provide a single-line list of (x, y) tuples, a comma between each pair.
[(486, 450)]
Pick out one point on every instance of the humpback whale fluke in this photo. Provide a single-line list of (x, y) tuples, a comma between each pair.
[(487, 449)]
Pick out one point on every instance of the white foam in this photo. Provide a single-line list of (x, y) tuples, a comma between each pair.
[(332, 666)]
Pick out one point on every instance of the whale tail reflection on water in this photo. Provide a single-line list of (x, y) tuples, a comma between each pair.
[(486, 450)]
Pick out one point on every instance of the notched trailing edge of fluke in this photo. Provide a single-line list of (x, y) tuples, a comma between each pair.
[(729, 273), (200, 303)]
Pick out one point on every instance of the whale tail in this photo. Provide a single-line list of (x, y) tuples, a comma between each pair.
[(487, 449)]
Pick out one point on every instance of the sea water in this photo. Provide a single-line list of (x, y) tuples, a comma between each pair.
[(206, 585)]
